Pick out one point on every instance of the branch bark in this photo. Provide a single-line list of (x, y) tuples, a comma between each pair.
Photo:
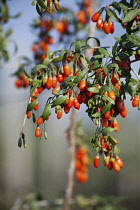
[(72, 147)]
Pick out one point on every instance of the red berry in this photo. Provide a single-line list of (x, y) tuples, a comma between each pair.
[(106, 28), (40, 120), (123, 113), (38, 132), (135, 101), (96, 161), (95, 16)]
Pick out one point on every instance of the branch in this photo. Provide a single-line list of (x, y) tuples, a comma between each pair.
[(72, 147)]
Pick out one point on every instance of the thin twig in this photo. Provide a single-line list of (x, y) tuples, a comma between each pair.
[(136, 74)]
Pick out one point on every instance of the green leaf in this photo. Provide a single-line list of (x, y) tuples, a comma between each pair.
[(31, 105), (114, 89), (98, 56), (107, 130), (23, 136), (38, 67), (93, 89), (8, 32), (116, 5), (20, 142), (134, 39), (45, 135), (131, 15), (80, 76), (5, 55), (106, 98), (38, 10), (112, 65), (100, 78), (57, 92), (105, 88), (60, 100), (33, 2), (105, 69), (42, 4), (34, 117), (106, 108), (17, 15), (84, 62), (59, 58), (97, 114), (77, 47), (111, 140), (114, 49), (116, 150), (111, 13), (47, 111), (133, 82), (104, 52), (46, 61), (65, 83)]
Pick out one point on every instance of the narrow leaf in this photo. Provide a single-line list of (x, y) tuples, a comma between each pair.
[(47, 111), (60, 100), (80, 76), (93, 89), (107, 130), (131, 15), (41, 3), (104, 52), (31, 105), (97, 114), (38, 10), (111, 13)]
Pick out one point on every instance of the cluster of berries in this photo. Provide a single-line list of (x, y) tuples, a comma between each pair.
[(81, 165), (106, 26)]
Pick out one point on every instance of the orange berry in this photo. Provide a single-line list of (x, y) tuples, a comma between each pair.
[(81, 17), (82, 85), (18, 83), (49, 83), (40, 120), (107, 115), (95, 16), (123, 113), (38, 132), (112, 95), (115, 125), (54, 81), (60, 78), (96, 161), (120, 162), (85, 160), (76, 103), (59, 114), (36, 106), (66, 109), (135, 101), (106, 28), (28, 114), (120, 105), (116, 166), (67, 70), (55, 89)]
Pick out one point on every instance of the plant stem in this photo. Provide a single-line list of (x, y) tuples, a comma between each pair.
[(72, 147)]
